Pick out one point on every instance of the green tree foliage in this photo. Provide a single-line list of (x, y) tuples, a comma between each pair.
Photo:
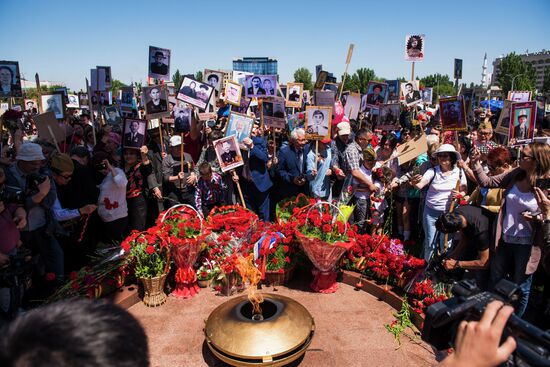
[(511, 68), (177, 78), (442, 85), (198, 76), (115, 87), (359, 81), (303, 75), (546, 83)]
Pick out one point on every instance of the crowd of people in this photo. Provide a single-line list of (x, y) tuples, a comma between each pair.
[(60, 200)]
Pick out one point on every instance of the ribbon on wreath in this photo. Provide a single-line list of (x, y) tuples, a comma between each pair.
[(262, 247)]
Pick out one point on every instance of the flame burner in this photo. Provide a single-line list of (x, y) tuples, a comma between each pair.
[(276, 337)]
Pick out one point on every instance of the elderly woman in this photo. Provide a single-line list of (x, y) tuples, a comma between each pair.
[(137, 168), (445, 183), (519, 237)]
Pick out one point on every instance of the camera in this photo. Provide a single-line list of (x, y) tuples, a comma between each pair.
[(469, 303), (100, 166), (211, 123), (33, 181), (12, 197)]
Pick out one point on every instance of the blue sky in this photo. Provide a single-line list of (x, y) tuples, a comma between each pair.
[(62, 40)]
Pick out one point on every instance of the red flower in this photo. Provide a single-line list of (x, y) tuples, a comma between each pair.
[(286, 248), (327, 228), (73, 275), (50, 277), (275, 261), (287, 260), (150, 249)]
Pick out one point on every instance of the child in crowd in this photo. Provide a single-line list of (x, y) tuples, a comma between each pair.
[(210, 189), (381, 177), (361, 193)]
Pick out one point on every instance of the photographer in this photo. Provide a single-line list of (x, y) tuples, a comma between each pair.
[(28, 176)]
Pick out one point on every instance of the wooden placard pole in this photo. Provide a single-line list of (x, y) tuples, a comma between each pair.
[(239, 189), (412, 72), (348, 60), (181, 159), (54, 139), (38, 91), (316, 148), (91, 108), (274, 143), (161, 142)]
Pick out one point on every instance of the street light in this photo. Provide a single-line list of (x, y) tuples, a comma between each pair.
[(514, 78)]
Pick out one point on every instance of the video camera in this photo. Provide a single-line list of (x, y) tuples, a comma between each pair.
[(442, 320), (12, 197)]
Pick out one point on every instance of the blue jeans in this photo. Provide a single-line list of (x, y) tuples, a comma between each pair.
[(428, 223), (510, 261)]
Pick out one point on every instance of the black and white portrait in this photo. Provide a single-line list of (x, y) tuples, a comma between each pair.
[(318, 120), (213, 78), (10, 79), (159, 63), (83, 100), (182, 119), (393, 91), (134, 133), (294, 94), (273, 113), (228, 153), (112, 116), (260, 85), (155, 99), (243, 106), (31, 106), (427, 95), (414, 47), (73, 101), (388, 117), (195, 93), (458, 69), (411, 93), (54, 103), (127, 97), (233, 92)]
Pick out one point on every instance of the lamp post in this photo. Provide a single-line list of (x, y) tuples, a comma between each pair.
[(514, 79)]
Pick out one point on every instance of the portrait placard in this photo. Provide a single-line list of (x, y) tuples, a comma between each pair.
[(388, 117), (228, 153), (127, 97), (159, 63), (73, 101), (519, 96), (240, 76), (48, 127), (294, 94), (331, 86), (503, 124), (321, 79), (427, 95), (324, 97), (134, 133), (195, 93), (353, 105), (522, 120), (412, 149), (453, 113), (233, 92), (242, 107), (273, 112), (55, 103), (112, 116), (213, 78), (411, 93), (31, 106), (260, 86), (458, 69), (318, 122), (240, 126), (393, 91), (182, 119), (155, 99), (83, 100), (10, 79), (104, 79), (414, 47), (377, 94)]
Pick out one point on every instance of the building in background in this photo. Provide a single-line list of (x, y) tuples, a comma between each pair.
[(539, 61), (256, 65)]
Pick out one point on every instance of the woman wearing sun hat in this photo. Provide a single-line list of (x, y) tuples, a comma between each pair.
[(441, 181)]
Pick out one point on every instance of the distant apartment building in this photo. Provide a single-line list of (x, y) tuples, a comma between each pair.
[(256, 65), (539, 61)]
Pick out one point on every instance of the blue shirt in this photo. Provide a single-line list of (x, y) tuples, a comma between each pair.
[(320, 184)]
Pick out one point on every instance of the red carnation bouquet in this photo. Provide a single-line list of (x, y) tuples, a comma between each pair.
[(186, 235), (324, 235), (149, 252)]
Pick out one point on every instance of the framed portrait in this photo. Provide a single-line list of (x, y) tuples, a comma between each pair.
[(104, 79), (242, 107), (273, 113), (321, 79), (83, 100), (228, 153), (102, 99), (240, 126), (112, 116), (324, 97), (159, 63), (294, 94), (503, 124), (260, 85), (182, 119), (427, 95), (127, 97), (353, 105), (55, 103), (73, 101), (388, 117), (240, 76), (195, 93), (282, 91), (393, 91), (233, 92), (411, 93), (377, 94), (10, 79), (31, 106), (414, 47), (213, 78), (453, 113), (458, 69), (522, 120), (331, 86), (306, 97), (155, 99), (134, 133), (318, 122), (519, 96)]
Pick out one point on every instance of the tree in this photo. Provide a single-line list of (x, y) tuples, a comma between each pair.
[(115, 87), (442, 85), (546, 83), (512, 70), (198, 76), (177, 78), (303, 75)]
